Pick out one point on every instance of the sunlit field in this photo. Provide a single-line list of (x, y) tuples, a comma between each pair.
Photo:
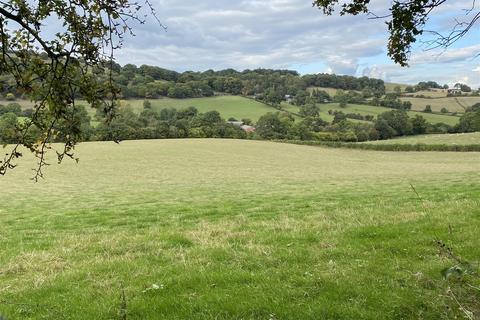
[(228, 106), (227, 229)]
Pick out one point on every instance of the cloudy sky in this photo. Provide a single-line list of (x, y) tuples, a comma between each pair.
[(291, 34)]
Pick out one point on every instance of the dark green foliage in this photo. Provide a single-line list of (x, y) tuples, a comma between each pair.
[(419, 125), (425, 85), (169, 123), (11, 108), (463, 87), (8, 128), (345, 82), (273, 126), (469, 122), (390, 147), (309, 110), (398, 120), (147, 104), (428, 109), (385, 131)]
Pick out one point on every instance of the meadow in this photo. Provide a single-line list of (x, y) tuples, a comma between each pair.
[(237, 229), (375, 111), (448, 139), (228, 106), (452, 104)]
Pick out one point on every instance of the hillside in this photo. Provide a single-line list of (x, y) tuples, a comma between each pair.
[(225, 229), (228, 106), (452, 104)]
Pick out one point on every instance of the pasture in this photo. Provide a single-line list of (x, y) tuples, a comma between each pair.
[(231, 229), (228, 106), (375, 111), (448, 139), (453, 104)]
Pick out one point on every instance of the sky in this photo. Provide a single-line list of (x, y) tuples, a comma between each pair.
[(291, 34)]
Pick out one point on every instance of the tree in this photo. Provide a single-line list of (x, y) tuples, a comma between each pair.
[(469, 122), (419, 125), (309, 110), (271, 126), (406, 21), (397, 120), (147, 104), (8, 128), (384, 130), (53, 71)]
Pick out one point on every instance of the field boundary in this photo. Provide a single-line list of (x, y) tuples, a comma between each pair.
[(388, 147)]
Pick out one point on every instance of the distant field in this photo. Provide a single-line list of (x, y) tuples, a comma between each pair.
[(331, 91), (434, 93), (366, 110), (229, 229), (453, 104), (228, 106), (449, 139), (390, 87)]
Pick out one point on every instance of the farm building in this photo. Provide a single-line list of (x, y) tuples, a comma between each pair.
[(248, 129)]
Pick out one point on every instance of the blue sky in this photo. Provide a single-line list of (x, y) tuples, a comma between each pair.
[(291, 34)]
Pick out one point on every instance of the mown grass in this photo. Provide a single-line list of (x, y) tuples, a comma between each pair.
[(432, 93), (452, 104), (390, 87), (230, 229), (228, 106), (375, 111), (448, 139)]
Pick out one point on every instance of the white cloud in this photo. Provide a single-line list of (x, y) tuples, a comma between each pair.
[(217, 34)]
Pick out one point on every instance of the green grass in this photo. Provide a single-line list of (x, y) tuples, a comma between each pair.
[(228, 106), (453, 104), (232, 229), (366, 110), (432, 93), (390, 87), (449, 139)]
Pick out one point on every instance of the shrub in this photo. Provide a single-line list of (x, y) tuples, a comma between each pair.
[(10, 97)]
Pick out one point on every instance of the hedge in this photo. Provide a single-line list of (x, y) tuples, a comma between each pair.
[(389, 147)]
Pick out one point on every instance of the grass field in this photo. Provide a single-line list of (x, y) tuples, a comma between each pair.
[(390, 87), (449, 139), (228, 106), (226, 229), (432, 93), (453, 104), (366, 110)]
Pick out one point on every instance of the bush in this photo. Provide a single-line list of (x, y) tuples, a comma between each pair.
[(10, 97)]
